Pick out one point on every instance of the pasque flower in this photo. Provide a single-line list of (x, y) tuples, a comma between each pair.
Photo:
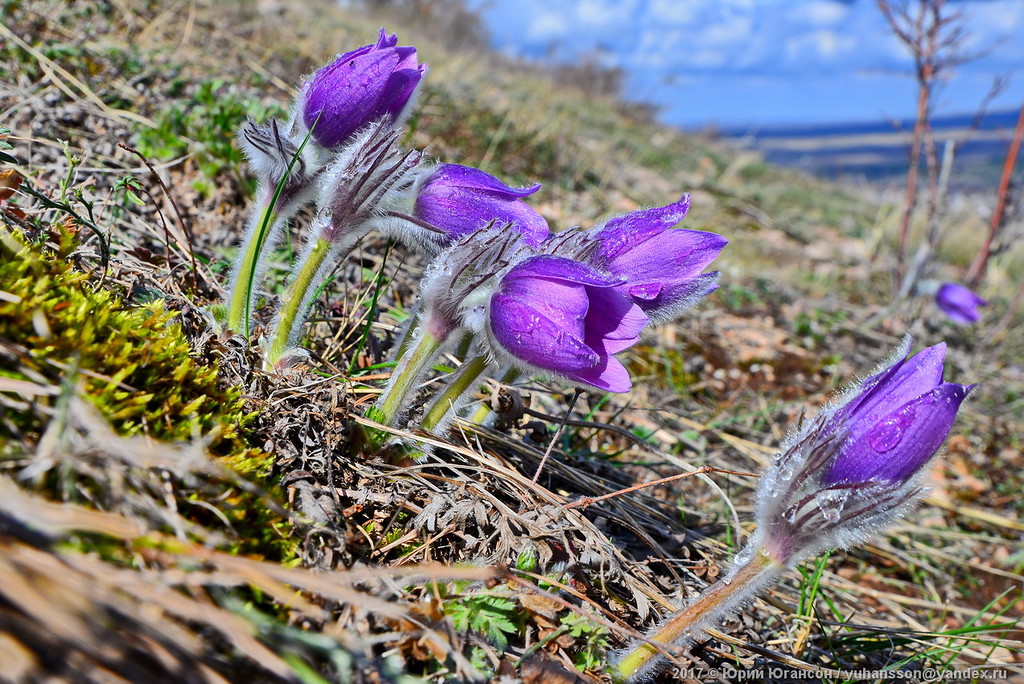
[(543, 312), (453, 201), (959, 303), (359, 87), (661, 267), (840, 478), (373, 84), (564, 318), (853, 468)]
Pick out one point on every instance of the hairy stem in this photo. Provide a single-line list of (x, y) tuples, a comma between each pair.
[(706, 610), (468, 374), (295, 301), (413, 364), (263, 222)]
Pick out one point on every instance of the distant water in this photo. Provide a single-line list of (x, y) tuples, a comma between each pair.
[(878, 151)]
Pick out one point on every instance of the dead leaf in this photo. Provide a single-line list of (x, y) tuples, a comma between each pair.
[(9, 182)]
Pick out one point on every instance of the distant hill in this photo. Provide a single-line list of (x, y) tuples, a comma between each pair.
[(877, 151)]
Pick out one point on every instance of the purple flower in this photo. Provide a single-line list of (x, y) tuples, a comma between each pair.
[(959, 303), (563, 317), (897, 421), (854, 467), (360, 87), (459, 200), (662, 267)]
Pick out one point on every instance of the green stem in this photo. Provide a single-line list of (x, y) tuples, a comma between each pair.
[(467, 375), (295, 301), (416, 360), (410, 328), (243, 282), (264, 222), (743, 582)]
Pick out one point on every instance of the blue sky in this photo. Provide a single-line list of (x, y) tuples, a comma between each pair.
[(740, 62)]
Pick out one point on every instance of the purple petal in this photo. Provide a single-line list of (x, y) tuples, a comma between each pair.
[(563, 316), (530, 335), (561, 268), (469, 177), (400, 89), (610, 376), (622, 233), (613, 322), (883, 393), (897, 446), (563, 303), (386, 41), (460, 200), (647, 292)]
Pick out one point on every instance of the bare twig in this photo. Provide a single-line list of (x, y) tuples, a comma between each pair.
[(703, 470), (980, 264), (934, 38)]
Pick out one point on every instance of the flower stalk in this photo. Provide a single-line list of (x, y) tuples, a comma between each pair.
[(414, 363), (741, 584), (296, 299), (274, 158), (264, 222), (446, 404)]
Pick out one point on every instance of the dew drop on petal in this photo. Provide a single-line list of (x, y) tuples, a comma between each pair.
[(887, 435)]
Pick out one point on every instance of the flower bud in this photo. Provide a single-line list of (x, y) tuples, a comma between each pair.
[(852, 469), (959, 303), (458, 200), (359, 87), (843, 476)]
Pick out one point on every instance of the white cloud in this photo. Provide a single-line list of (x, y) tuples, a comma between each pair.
[(819, 46), (605, 13), (729, 31), (819, 12), (673, 12), (547, 26)]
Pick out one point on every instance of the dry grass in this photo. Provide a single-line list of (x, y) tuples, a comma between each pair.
[(288, 555)]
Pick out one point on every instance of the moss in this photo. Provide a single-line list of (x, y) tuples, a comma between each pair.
[(135, 364)]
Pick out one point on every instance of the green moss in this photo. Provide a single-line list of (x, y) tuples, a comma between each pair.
[(135, 365), (134, 362)]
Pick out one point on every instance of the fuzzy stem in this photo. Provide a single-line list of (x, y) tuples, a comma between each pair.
[(265, 220), (416, 360), (295, 301), (460, 384), (742, 583), (407, 334)]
